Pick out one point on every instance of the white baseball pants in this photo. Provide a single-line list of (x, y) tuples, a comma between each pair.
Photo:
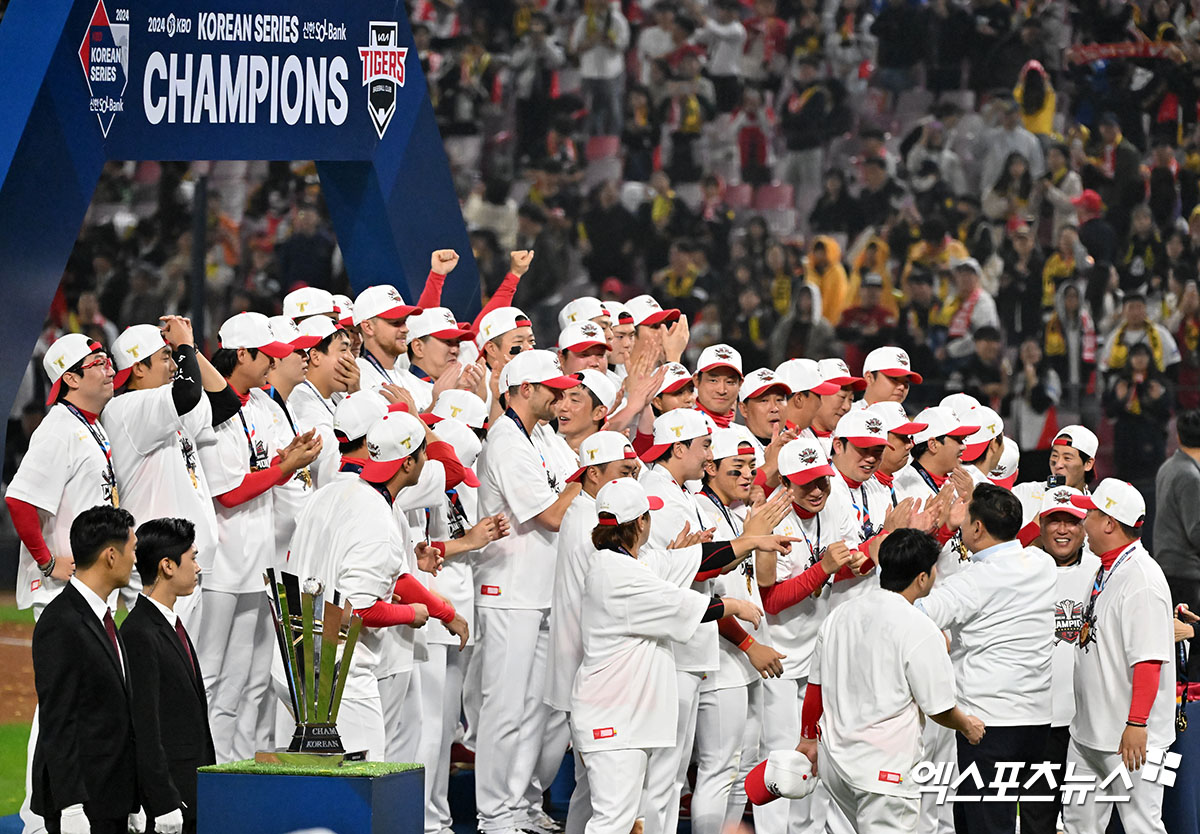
[(667, 768), (868, 812), (1142, 814), (441, 682), (940, 746), (723, 724), (618, 781)]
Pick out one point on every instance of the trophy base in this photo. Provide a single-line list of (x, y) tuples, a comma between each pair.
[(316, 738), (316, 761)]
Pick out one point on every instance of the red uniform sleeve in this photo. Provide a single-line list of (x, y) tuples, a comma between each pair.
[(409, 589), (252, 486), (782, 595), (29, 528), (642, 442), (1028, 533), (383, 614), (501, 298), (729, 629), (943, 535), (810, 714), (1145, 688), (431, 296), (443, 453)]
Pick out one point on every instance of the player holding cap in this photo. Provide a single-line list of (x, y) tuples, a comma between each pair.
[(879, 642), (331, 373), (900, 431), (603, 457), (834, 405), (999, 612), (1072, 463), (434, 338), (1126, 638), (888, 373), (982, 450), (803, 379), (514, 578), (155, 427), (242, 466), (631, 617), (1060, 535), (352, 542), (718, 377)]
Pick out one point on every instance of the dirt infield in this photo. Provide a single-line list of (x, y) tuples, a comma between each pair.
[(17, 697)]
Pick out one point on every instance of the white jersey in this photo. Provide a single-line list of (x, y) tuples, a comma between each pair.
[(290, 496), (1000, 610), (910, 483), (878, 643), (312, 411), (855, 504), (455, 580), (825, 439), (575, 551), (157, 462), (560, 460), (1132, 622), (680, 507), (1030, 494), (349, 541), (625, 695), (1074, 583), (373, 376), (735, 668), (518, 570), (246, 543), (64, 472)]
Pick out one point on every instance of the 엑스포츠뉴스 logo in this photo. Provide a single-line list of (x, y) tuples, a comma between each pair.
[(383, 71), (104, 55)]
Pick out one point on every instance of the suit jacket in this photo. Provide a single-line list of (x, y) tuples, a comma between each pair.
[(85, 746), (170, 712)]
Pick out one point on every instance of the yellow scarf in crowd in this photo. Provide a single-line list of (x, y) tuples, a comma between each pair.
[(1120, 351)]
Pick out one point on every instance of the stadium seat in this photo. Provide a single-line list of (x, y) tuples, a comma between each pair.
[(739, 197), (602, 147), (774, 197)]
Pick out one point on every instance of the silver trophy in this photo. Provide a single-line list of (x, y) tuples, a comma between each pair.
[(309, 630)]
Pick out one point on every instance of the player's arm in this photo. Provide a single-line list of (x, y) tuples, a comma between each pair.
[(518, 265), (955, 601), (765, 660), (955, 719), (779, 595), (551, 517)]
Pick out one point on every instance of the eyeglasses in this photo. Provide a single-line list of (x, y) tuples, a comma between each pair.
[(99, 361)]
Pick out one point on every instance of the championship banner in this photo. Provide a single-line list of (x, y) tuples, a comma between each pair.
[(88, 81)]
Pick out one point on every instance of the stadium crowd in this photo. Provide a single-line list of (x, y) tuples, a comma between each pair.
[(872, 267)]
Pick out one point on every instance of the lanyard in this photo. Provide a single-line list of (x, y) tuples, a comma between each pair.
[(927, 478), (747, 564), (814, 552), (384, 372), (863, 513), (254, 462), (283, 407), (1098, 586), (317, 393), (508, 412), (105, 447), (419, 374), (956, 542)]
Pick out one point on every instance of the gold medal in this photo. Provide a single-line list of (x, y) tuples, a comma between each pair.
[(817, 592), (1085, 634), (116, 499), (305, 477), (192, 475)]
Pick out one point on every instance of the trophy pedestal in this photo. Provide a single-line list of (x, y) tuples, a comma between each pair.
[(315, 761)]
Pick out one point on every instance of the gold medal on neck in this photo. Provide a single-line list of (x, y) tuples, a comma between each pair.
[(1085, 634), (195, 482), (305, 477), (817, 592), (116, 498)]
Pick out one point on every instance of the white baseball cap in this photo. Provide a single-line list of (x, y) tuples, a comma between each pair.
[(676, 426), (582, 335), (308, 301), (498, 322), (1078, 437), (584, 308), (600, 385), (835, 371), (467, 445), (729, 442), (991, 426), (719, 356), (1061, 499), (803, 460), (456, 404), (895, 418), (645, 310), (1005, 473), (356, 413), (891, 361), (784, 773), (862, 428), (967, 263), (381, 301), (344, 308), (602, 447), (64, 354), (759, 382), (1119, 499), (390, 441), (618, 313), (804, 375), (942, 422), (540, 367), (138, 342), (252, 330), (626, 500), (960, 403), (677, 378), (318, 327), (438, 322), (285, 330)]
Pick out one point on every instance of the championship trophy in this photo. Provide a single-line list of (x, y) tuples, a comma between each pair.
[(310, 630)]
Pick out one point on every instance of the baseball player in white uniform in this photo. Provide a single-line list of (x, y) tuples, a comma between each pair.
[(803, 379), (583, 345), (900, 430), (879, 642), (434, 340), (67, 469), (243, 466), (718, 378), (382, 317), (1072, 463), (514, 577), (503, 333), (303, 302), (888, 374), (998, 609), (331, 373), (623, 702), (1124, 688), (603, 457), (834, 405), (982, 450)]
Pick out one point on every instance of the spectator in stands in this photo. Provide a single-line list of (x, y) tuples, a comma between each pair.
[(724, 36), (837, 210), (1019, 300), (765, 53), (1033, 91), (1069, 341), (1142, 262), (1135, 328), (306, 257), (1029, 414), (930, 144), (754, 127), (489, 207), (1009, 196), (656, 40), (985, 374), (598, 39), (950, 28), (900, 31), (684, 113), (1054, 193), (663, 218), (1115, 172), (993, 20), (1096, 234), (802, 333), (1184, 325), (811, 112), (881, 195), (1009, 138), (639, 135), (867, 324), (606, 235), (535, 64)]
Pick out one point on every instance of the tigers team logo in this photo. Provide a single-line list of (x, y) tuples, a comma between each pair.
[(383, 71)]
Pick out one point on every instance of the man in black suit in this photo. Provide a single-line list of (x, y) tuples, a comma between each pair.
[(84, 765), (170, 711)]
